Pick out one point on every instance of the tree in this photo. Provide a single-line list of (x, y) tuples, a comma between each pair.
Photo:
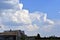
[(38, 36), (23, 37)]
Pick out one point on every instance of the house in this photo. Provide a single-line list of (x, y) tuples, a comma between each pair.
[(11, 35)]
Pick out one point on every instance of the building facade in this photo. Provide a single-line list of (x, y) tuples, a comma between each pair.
[(11, 35)]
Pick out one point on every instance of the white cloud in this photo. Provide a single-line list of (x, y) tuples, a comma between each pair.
[(20, 6), (32, 27), (9, 4), (47, 28), (21, 18), (50, 21), (11, 1), (45, 17)]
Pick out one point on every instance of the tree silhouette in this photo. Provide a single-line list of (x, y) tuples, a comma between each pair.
[(38, 36)]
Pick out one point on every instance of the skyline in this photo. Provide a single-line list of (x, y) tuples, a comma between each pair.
[(32, 16)]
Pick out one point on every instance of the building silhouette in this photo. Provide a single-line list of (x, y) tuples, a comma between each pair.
[(20, 35), (11, 35)]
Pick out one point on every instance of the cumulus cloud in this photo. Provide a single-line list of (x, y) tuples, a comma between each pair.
[(9, 4), (18, 18), (32, 27)]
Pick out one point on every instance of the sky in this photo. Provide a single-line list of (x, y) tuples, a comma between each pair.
[(31, 16), (49, 6)]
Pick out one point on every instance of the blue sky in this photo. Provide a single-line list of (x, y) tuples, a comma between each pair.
[(32, 16), (51, 7)]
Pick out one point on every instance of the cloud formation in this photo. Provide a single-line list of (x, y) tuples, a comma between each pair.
[(15, 17)]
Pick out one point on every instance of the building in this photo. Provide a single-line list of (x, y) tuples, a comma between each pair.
[(12, 35), (20, 35)]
